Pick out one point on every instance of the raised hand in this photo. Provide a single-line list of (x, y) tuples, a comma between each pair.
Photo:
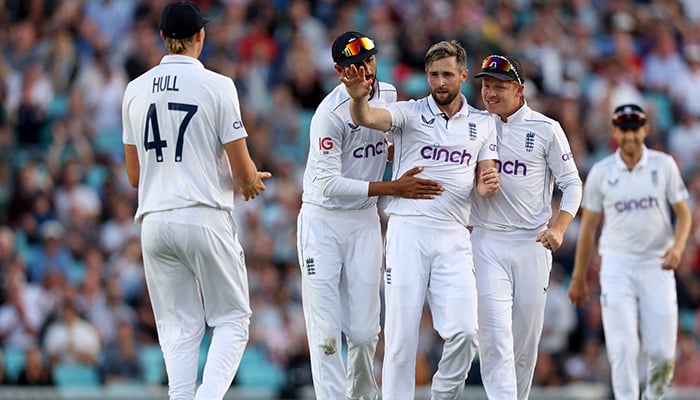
[(357, 84)]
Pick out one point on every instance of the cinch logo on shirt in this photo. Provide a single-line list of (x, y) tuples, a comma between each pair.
[(637, 204), (567, 156), (368, 150), (237, 125), (511, 167), (438, 154)]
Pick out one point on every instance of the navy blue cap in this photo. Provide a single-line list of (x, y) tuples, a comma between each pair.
[(181, 20), (341, 50)]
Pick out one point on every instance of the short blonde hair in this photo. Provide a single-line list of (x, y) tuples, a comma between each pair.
[(445, 49)]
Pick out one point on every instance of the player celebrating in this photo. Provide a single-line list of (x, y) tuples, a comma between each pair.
[(339, 234), (428, 251), (512, 243), (639, 250), (183, 137)]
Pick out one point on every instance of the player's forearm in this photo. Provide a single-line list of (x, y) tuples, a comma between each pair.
[(364, 115), (562, 222), (584, 253), (244, 170), (132, 165), (388, 188), (683, 225), (246, 176), (572, 192), (341, 187)]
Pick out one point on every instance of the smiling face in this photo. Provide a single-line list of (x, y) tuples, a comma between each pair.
[(445, 78), (501, 97), (630, 140)]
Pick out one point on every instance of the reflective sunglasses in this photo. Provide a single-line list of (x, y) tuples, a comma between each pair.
[(355, 47), (501, 64), (629, 117)]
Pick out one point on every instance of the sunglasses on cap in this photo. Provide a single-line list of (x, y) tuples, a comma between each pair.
[(629, 119), (355, 47), (501, 64)]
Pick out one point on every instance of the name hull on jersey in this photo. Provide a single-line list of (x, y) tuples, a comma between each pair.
[(165, 83)]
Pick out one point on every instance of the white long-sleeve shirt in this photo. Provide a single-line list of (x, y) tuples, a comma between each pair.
[(343, 157), (534, 155)]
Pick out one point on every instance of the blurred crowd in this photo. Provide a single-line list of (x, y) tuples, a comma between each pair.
[(72, 286)]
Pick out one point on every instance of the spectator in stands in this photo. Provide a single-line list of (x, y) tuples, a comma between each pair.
[(53, 255), (121, 360), (23, 312), (72, 339)]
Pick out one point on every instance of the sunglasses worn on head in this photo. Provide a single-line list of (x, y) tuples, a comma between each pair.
[(355, 47), (629, 117), (501, 64)]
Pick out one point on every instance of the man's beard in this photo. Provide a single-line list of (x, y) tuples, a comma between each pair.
[(449, 99)]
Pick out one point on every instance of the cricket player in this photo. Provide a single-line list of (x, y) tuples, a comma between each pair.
[(183, 138), (428, 250), (639, 249), (512, 238), (339, 234)]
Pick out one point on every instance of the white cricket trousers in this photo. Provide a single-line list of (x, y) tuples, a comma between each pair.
[(183, 250), (433, 258), (512, 277), (640, 310), (340, 254)]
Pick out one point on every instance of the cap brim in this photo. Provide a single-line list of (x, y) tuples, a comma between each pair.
[(630, 125), (497, 75), (346, 62)]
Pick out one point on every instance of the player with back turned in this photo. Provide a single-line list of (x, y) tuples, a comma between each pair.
[(339, 234), (185, 148), (635, 188), (513, 241)]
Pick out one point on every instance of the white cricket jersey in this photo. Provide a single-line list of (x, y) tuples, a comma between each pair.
[(178, 114), (534, 154), (343, 157), (447, 148), (635, 203)]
